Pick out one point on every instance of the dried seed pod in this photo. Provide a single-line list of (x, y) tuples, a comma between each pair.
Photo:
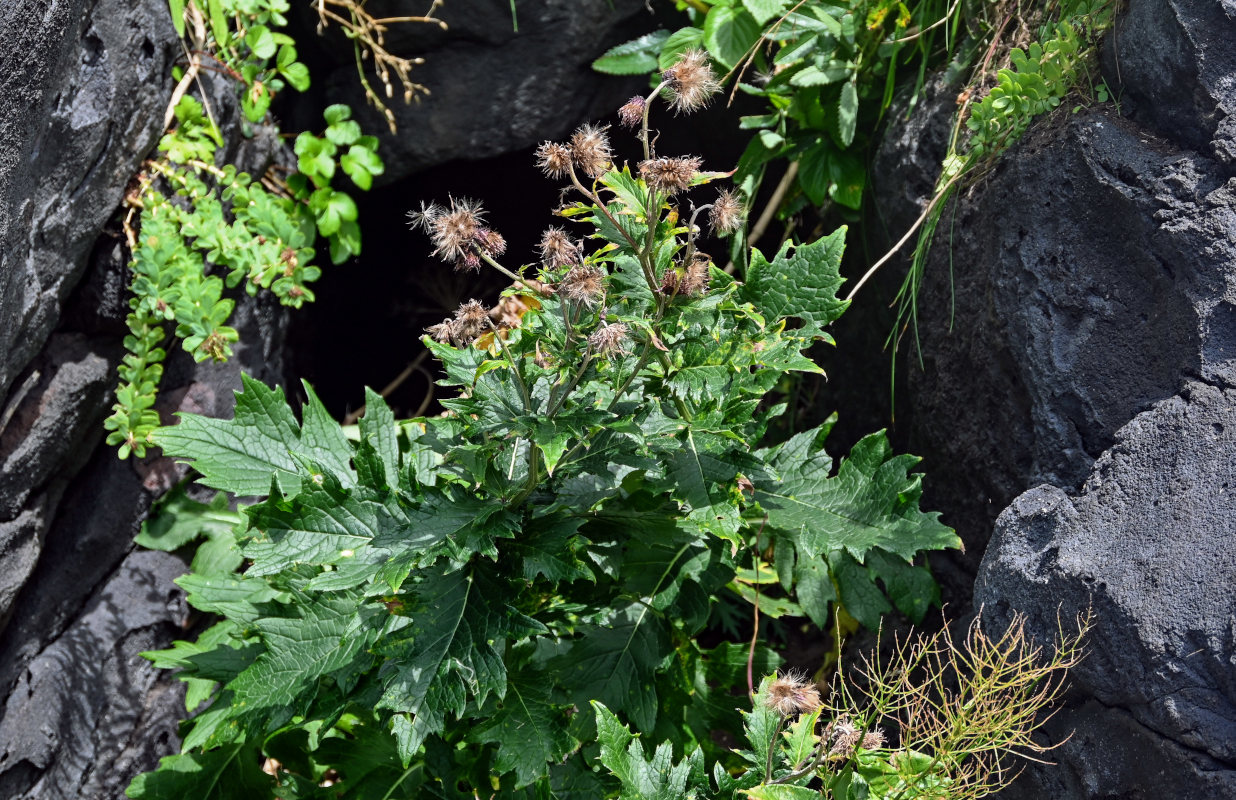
[(557, 249), (554, 159), (583, 284), (670, 175), (609, 340), (791, 694), (691, 81), (590, 150), (631, 115)]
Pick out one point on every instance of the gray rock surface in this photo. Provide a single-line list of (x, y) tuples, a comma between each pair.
[(1146, 544), (1092, 355), (493, 90), (83, 89), (83, 84)]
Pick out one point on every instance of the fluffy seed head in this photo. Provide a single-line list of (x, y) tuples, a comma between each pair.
[(583, 284), (590, 150), (452, 230), (471, 320), (727, 213), (691, 81), (557, 249), (609, 340), (670, 175), (422, 219), (554, 159), (791, 694), (631, 115)]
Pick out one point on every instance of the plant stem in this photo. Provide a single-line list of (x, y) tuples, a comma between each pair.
[(643, 130), (944, 190), (596, 201), (490, 261), (519, 379)]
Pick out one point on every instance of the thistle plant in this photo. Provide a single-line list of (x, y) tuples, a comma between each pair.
[(428, 607)]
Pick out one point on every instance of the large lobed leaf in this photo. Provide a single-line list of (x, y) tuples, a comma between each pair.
[(872, 501), (801, 281), (241, 455)]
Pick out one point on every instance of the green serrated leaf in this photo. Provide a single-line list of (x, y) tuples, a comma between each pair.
[(765, 10), (729, 33), (233, 772), (241, 455), (801, 284), (635, 57), (529, 730), (871, 502)]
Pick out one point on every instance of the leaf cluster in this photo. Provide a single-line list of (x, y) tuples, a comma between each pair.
[(827, 72), (428, 607), (205, 229)]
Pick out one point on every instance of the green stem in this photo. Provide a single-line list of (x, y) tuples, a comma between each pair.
[(490, 261), (557, 404), (596, 201), (519, 379)]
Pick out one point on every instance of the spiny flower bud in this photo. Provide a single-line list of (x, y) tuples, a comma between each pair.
[(609, 340), (631, 115), (468, 262), (557, 249), (490, 241), (791, 694), (727, 213), (471, 320), (590, 150), (842, 737), (669, 175), (691, 81), (583, 284), (554, 159)]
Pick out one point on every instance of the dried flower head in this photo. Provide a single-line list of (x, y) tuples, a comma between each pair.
[(590, 150), (471, 320), (791, 694), (490, 241), (691, 81), (557, 249), (727, 213), (424, 217), (468, 262), (443, 332), (669, 175), (631, 115), (452, 230), (554, 159), (609, 340), (873, 739), (583, 284), (696, 275), (842, 736)]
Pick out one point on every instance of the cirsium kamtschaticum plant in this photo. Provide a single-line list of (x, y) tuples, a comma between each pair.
[(428, 607)]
